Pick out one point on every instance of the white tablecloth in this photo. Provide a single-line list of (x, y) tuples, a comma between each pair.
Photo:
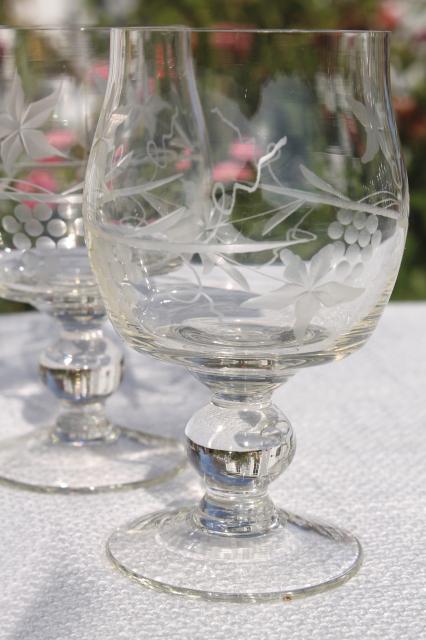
[(361, 462)]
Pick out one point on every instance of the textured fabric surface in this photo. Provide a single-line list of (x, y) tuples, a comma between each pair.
[(361, 430)]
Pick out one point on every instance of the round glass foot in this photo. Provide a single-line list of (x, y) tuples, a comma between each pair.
[(167, 551), (127, 459)]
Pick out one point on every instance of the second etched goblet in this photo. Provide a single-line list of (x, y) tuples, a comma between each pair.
[(256, 228), (52, 83)]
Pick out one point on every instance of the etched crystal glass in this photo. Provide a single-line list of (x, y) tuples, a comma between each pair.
[(246, 216), (52, 83)]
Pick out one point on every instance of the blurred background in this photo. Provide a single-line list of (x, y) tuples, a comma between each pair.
[(405, 18)]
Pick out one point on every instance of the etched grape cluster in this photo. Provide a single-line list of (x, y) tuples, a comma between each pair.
[(39, 228), (359, 231)]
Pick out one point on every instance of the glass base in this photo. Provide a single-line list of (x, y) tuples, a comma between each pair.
[(167, 551), (127, 459)]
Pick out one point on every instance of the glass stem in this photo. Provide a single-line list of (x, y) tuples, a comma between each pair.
[(82, 368), (239, 447)]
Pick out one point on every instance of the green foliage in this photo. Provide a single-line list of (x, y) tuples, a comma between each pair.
[(256, 13), (323, 14), (326, 14), (409, 60)]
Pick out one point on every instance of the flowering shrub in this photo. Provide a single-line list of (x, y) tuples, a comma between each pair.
[(407, 20)]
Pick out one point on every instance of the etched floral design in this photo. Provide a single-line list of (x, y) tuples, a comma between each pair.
[(309, 286), (371, 120), (358, 230), (203, 226), (36, 226), (314, 286), (19, 127)]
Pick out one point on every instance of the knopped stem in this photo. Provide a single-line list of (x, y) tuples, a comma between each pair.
[(82, 368), (239, 447)]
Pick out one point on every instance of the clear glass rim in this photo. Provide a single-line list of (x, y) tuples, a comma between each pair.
[(68, 28), (88, 27), (237, 30), (180, 28), (82, 28), (293, 31)]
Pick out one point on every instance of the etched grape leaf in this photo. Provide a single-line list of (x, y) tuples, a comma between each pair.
[(319, 183), (19, 127)]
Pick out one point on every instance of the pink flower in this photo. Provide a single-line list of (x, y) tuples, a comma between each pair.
[(420, 36), (238, 42), (99, 70), (245, 151), (184, 163), (389, 15), (36, 178), (61, 138), (121, 151), (405, 106), (230, 171)]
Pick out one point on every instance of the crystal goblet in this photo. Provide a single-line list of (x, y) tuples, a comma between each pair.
[(52, 84), (256, 229)]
